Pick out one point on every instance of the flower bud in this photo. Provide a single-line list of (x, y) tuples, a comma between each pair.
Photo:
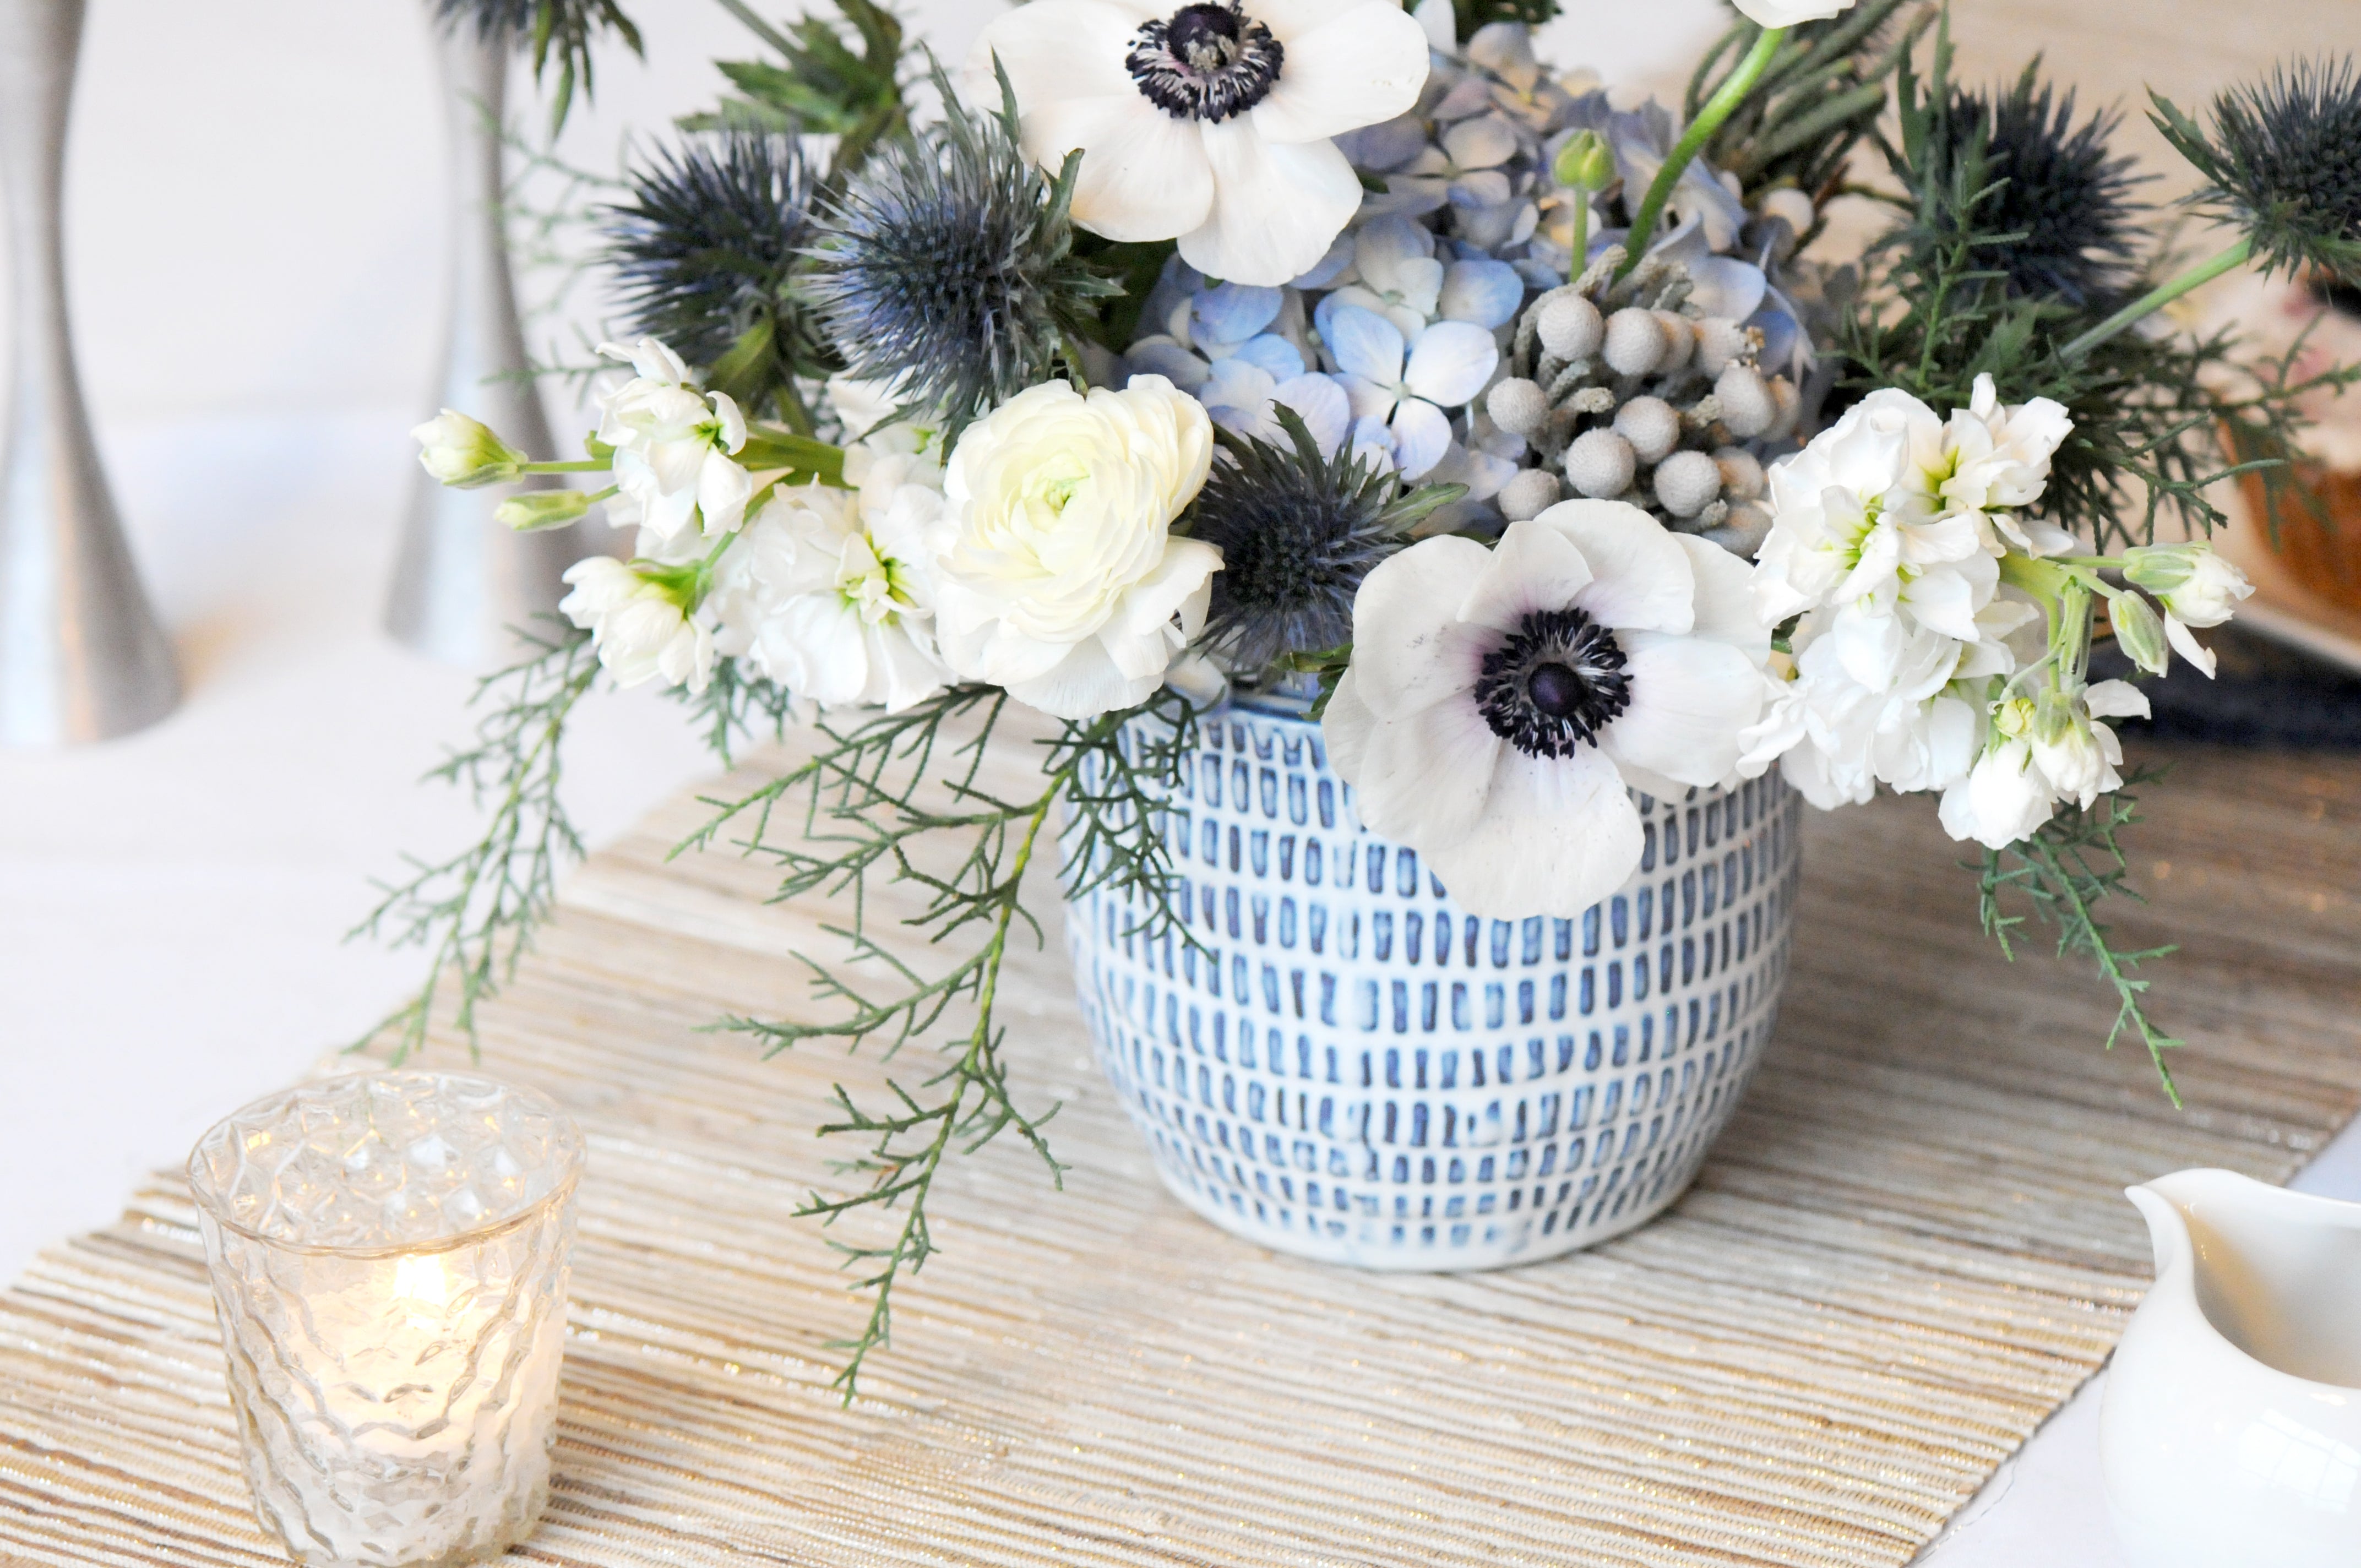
[(1533, 492), (1686, 483), (2196, 586), (1601, 464), (1635, 341), (464, 453), (2139, 631), (536, 509), (1584, 163), (1571, 327), (1518, 406), (1651, 426)]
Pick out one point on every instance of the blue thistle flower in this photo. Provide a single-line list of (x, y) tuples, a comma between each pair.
[(2282, 160), (1298, 532), (703, 252), (946, 266), (2067, 200)]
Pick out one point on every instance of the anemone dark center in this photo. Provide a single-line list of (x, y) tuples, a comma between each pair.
[(1556, 682), (1206, 61)]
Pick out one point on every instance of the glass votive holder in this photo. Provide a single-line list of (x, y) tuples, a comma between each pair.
[(389, 1254)]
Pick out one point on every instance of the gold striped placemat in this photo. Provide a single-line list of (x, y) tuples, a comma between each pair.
[(1907, 1250)]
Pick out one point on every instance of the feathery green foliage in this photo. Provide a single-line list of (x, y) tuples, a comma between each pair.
[(2061, 875), (906, 797), (475, 913)]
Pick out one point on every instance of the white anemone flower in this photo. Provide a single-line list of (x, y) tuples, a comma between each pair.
[(1503, 704), (828, 593), (1209, 122), (671, 448), (638, 625), (1406, 388)]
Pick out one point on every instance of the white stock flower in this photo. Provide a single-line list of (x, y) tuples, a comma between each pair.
[(1501, 704), (2004, 799), (1207, 122), (2196, 586), (1844, 527), (672, 447), (1787, 13), (637, 625), (828, 593), (1836, 737), (464, 453), (1994, 461), (1061, 579), (2035, 761)]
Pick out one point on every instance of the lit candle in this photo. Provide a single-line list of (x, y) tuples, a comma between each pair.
[(389, 1255)]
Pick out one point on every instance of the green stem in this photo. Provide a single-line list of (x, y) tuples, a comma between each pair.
[(584, 466), (2156, 299), (1717, 108), (1580, 249)]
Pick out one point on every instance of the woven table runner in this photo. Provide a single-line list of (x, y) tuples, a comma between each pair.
[(1909, 1249)]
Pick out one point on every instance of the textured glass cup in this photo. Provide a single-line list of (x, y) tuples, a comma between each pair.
[(389, 1255)]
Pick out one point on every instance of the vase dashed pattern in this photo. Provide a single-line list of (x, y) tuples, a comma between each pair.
[(1332, 1059), (388, 1257)]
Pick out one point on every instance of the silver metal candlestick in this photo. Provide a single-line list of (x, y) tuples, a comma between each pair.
[(82, 657), (462, 581)]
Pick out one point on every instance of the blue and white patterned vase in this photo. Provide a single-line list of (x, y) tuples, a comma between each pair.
[(1354, 1069)]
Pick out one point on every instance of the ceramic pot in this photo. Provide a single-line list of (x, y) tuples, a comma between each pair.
[(2230, 1431), (1347, 1066)]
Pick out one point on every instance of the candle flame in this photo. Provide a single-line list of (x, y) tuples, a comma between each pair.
[(421, 1282)]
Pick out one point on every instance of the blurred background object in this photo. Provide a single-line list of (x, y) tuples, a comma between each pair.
[(461, 581), (82, 657)]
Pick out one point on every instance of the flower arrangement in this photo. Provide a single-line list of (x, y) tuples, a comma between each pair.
[(1346, 360)]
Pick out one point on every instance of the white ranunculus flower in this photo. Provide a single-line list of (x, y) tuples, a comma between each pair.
[(464, 453), (672, 447), (637, 625), (1787, 13), (829, 594), (1501, 704), (1061, 579), (1207, 122)]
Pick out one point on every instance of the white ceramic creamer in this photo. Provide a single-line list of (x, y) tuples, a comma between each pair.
[(2230, 1431)]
